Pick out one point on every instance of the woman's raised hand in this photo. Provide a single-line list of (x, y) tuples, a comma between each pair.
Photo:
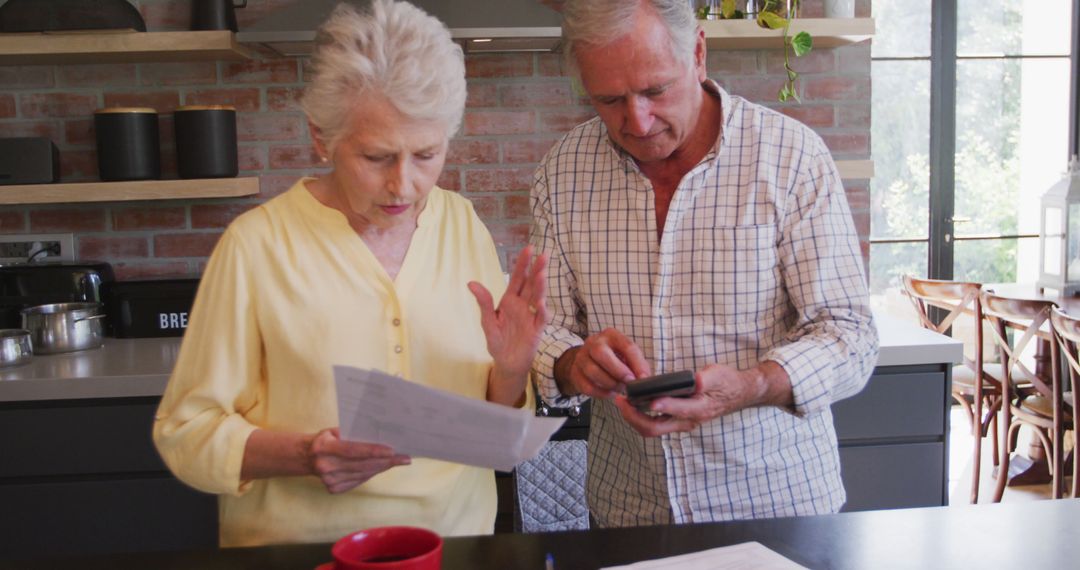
[(513, 328)]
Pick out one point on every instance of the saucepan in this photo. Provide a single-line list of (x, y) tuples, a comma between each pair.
[(15, 347), (64, 327)]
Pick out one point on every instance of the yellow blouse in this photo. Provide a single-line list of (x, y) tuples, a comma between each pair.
[(291, 290)]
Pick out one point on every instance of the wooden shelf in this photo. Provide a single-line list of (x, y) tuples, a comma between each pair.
[(826, 32), (855, 169), (129, 191), (120, 46)]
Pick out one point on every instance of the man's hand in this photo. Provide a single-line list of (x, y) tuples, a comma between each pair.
[(601, 366), (721, 390)]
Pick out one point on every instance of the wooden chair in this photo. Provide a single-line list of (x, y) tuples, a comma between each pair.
[(1027, 393), (980, 400), (1066, 329)]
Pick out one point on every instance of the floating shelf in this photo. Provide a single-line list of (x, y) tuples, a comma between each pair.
[(129, 191), (826, 32), (120, 46), (855, 169)]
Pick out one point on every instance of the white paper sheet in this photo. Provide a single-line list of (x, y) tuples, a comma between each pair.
[(424, 422), (745, 556)]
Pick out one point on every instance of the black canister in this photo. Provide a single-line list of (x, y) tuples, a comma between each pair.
[(205, 141), (127, 143), (213, 15)]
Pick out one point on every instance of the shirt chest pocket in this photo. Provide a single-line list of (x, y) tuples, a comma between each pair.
[(735, 273)]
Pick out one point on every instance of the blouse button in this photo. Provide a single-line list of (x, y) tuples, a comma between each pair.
[(396, 322), (398, 349)]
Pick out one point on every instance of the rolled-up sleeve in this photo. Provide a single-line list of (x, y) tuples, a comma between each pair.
[(200, 429), (831, 350)]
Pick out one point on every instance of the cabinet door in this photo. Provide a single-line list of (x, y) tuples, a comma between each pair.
[(90, 517), (893, 476), (910, 405)]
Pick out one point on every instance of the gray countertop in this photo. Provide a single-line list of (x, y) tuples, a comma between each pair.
[(140, 367)]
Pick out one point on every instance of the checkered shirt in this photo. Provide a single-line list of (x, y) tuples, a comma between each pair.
[(759, 260)]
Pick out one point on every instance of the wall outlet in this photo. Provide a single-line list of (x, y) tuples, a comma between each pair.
[(20, 248)]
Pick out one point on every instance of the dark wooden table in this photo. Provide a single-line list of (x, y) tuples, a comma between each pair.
[(979, 536)]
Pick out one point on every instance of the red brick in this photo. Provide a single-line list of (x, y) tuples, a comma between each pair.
[(551, 65), (472, 152), (168, 161), (90, 219), (42, 105), (112, 247), (854, 59), (858, 196), (100, 75), (26, 77), (509, 235), (534, 94), (255, 11), (499, 122), (7, 106), (853, 116), (251, 158), (149, 218), (48, 129), (482, 95), (529, 150), (183, 73), (125, 271), (78, 165), (283, 98), (164, 102), (271, 185), (499, 180), (261, 71), (185, 244), (295, 156), (812, 115), (242, 99), (862, 8), (499, 65), (213, 216), (848, 143), (517, 206), (487, 207), (837, 88), (267, 127), (450, 179), (12, 222), (762, 88), (79, 132), (731, 62), (817, 61), (167, 16), (562, 121)]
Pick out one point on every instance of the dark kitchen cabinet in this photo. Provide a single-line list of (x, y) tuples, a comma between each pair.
[(82, 476)]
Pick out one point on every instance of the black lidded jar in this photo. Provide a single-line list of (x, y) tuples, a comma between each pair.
[(205, 141), (127, 143)]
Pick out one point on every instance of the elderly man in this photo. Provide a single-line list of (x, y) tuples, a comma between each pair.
[(689, 229)]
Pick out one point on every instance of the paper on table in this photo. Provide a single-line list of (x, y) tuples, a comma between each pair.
[(425, 422), (745, 556)]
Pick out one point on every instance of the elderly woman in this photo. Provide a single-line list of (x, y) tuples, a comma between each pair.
[(370, 265)]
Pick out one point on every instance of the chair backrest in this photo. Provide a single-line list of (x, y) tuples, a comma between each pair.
[(954, 297), (1029, 320), (1066, 329)]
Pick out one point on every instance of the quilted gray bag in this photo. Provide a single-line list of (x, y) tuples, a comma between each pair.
[(550, 489)]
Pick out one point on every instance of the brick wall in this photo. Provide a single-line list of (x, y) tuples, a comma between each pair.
[(518, 106)]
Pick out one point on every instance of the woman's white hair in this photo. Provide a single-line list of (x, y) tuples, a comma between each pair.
[(390, 49), (597, 22)]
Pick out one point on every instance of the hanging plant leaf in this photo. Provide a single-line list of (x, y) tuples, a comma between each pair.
[(771, 20), (727, 8), (801, 44)]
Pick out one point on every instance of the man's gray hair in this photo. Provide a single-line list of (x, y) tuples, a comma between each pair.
[(597, 22), (390, 49)]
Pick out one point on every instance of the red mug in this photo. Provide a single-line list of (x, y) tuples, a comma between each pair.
[(389, 548)]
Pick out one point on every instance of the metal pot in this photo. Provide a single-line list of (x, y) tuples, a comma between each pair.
[(64, 327), (15, 347)]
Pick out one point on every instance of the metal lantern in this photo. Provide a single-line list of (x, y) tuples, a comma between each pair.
[(1059, 234)]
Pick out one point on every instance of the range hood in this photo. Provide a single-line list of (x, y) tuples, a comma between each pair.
[(479, 25)]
